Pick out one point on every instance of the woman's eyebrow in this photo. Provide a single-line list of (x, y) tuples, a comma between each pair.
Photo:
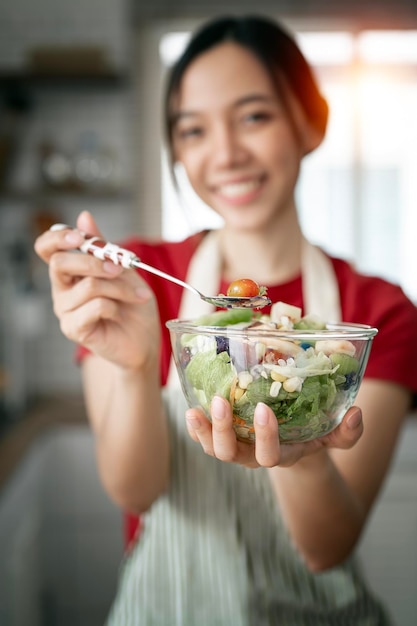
[(178, 116), (253, 97)]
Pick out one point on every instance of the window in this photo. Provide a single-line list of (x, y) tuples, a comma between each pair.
[(357, 194)]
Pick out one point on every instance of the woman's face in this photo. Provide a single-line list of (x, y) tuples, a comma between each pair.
[(234, 138)]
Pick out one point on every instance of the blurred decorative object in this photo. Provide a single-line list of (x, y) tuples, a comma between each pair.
[(94, 165), (55, 165), (50, 60), (108, 172), (86, 161)]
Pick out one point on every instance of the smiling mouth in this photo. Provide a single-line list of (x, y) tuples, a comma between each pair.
[(237, 190)]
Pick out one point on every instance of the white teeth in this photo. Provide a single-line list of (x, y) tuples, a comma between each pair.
[(233, 190)]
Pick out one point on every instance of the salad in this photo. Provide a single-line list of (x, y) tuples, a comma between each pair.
[(308, 376)]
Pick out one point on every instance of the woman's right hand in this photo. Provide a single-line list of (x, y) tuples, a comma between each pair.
[(108, 309)]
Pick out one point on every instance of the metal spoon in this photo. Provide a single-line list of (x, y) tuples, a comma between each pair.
[(107, 251)]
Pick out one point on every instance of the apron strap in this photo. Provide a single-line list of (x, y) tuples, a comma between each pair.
[(320, 287), (204, 272)]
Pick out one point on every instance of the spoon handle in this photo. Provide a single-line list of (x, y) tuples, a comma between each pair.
[(107, 251), (103, 250)]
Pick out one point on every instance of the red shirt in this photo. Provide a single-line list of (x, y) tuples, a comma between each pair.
[(364, 299)]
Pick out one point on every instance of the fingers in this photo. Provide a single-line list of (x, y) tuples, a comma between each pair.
[(226, 446), (79, 324), (267, 448), (92, 299), (218, 438), (200, 429), (87, 224), (52, 241), (95, 288), (66, 239), (348, 432), (66, 267), (224, 437)]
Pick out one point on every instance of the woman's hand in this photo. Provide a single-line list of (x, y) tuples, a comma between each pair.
[(106, 308), (218, 438)]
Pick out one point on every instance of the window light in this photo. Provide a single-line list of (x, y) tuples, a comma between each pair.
[(388, 46), (325, 48), (171, 47)]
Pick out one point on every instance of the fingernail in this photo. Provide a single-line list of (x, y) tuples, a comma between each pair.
[(354, 420), (193, 422), (143, 293), (261, 414), (73, 238), (112, 268), (218, 409)]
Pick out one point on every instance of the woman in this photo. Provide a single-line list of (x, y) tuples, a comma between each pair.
[(223, 544)]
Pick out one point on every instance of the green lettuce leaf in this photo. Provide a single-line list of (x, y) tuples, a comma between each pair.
[(212, 373)]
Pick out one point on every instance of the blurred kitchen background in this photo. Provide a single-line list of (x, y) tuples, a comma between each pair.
[(80, 86)]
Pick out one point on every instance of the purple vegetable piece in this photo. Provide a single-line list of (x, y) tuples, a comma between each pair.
[(222, 344), (185, 356)]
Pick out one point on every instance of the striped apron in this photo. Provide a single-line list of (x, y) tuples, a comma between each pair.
[(214, 550)]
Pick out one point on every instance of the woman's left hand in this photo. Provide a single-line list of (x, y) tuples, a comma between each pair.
[(218, 438)]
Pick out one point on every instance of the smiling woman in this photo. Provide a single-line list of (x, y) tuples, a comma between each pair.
[(224, 544)]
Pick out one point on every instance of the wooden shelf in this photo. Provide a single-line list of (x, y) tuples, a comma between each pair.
[(30, 195), (31, 79)]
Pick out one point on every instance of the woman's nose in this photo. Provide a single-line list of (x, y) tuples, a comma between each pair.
[(227, 147)]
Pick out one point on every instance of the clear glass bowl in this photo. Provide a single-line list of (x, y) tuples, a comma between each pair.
[(309, 378)]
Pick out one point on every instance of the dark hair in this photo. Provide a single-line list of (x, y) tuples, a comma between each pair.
[(273, 46)]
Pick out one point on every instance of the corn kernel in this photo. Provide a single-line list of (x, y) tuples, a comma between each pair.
[(238, 393), (277, 376), (294, 383)]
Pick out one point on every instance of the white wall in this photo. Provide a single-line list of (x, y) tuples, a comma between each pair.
[(389, 545)]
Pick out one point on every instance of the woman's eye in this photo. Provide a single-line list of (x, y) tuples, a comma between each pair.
[(190, 133), (257, 116)]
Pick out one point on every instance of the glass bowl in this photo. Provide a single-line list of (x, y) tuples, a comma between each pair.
[(309, 378)]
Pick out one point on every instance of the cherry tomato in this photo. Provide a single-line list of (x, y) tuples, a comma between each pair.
[(243, 288)]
